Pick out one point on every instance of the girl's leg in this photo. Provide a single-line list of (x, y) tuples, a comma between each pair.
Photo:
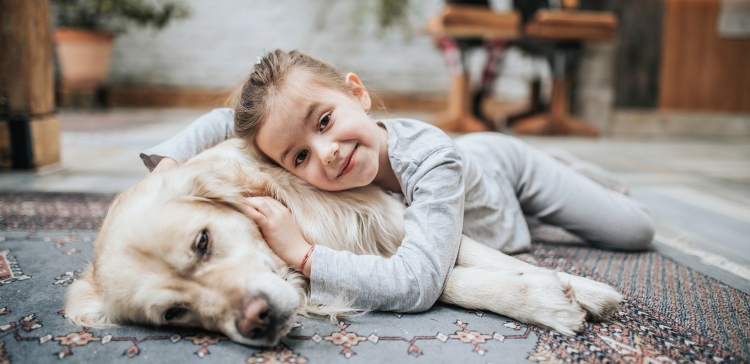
[(557, 195)]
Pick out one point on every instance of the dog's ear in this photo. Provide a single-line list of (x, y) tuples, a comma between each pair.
[(218, 187), (228, 187), (84, 304)]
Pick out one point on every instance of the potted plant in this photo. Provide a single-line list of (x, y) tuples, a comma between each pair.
[(86, 29)]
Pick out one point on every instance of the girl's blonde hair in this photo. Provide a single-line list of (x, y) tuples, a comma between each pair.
[(267, 82)]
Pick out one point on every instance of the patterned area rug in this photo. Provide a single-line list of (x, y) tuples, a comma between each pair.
[(671, 313)]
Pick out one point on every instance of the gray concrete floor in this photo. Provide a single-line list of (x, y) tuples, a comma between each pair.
[(699, 189)]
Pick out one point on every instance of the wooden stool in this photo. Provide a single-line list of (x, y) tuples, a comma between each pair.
[(563, 26), (468, 22)]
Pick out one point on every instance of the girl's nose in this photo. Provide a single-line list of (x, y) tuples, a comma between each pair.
[(329, 153)]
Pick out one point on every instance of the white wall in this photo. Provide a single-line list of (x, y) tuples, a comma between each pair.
[(217, 46)]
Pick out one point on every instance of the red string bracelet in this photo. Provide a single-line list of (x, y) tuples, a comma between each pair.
[(304, 260)]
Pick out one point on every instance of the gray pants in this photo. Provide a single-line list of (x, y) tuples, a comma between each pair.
[(552, 194)]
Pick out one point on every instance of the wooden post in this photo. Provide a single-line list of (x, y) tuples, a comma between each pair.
[(27, 79)]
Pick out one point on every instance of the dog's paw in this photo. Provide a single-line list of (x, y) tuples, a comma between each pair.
[(551, 303), (598, 299)]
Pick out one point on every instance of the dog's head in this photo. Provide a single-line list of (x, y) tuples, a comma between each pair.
[(176, 249)]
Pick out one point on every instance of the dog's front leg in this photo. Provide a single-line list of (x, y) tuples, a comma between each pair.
[(534, 296), (598, 299), (474, 254)]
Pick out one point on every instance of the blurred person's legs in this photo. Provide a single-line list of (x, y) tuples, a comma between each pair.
[(463, 114), (494, 50), (563, 58)]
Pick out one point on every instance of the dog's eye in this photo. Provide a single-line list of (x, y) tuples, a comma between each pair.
[(202, 243), (174, 313)]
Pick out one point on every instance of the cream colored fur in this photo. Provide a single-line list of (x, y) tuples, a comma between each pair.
[(145, 260)]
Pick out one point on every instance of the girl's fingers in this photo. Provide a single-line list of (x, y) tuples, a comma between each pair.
[(254, 214), (256, 207), (264, 209), (266, 205), (258, 203)]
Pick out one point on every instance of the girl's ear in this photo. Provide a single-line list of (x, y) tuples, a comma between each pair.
[(359, 90)]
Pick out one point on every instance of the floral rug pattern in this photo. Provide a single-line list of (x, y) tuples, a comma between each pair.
[(671, 314)]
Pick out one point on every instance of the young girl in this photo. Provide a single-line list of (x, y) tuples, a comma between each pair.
[(313, 120)]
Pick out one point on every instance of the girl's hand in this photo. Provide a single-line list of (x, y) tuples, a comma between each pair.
[(280, 230)]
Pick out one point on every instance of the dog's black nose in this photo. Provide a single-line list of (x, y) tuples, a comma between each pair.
[(254, 321)]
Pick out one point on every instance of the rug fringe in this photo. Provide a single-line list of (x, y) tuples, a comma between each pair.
[(684, 244)]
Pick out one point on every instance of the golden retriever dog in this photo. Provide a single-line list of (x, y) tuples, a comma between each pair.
[(177, 249)]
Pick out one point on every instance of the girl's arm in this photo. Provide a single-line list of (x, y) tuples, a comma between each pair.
[(203, 133), (413, 279)]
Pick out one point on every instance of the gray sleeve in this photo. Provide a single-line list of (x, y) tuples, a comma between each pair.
[(412, 279), (203, 133)]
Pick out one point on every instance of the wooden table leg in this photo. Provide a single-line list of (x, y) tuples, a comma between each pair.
[(458, 118), (535, 105), (558, 121)]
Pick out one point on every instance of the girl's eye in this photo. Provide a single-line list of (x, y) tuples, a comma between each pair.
[(202, 244), (324, 121), (300, 157)]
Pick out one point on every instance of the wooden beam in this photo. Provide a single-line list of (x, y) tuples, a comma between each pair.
[(45, 140), (699, 69), (26, 75), (475, 21), (572, 25), (637, 59), (196, 97), (166, 97)]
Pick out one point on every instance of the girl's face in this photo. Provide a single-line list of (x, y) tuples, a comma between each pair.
[(323, 136)]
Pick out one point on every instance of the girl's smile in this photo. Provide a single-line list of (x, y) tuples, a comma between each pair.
[(350, 163)]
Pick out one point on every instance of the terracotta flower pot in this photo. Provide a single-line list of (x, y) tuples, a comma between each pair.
[(84, 58)]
